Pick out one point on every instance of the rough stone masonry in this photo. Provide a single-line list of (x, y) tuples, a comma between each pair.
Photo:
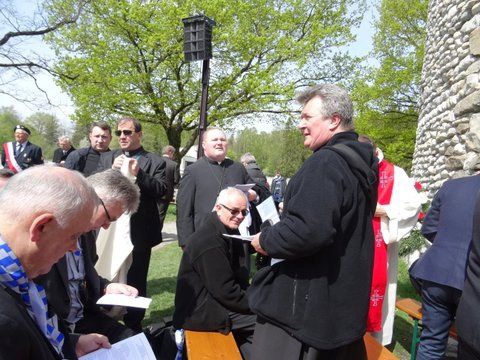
[(448, 133)]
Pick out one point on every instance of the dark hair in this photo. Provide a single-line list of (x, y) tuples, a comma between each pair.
[(366, 139), (102, 125), (136, 124)]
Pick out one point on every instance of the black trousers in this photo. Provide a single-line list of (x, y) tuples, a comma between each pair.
[(466, 352), (162, 211), (137, 277), (243, 326), (273, 343)]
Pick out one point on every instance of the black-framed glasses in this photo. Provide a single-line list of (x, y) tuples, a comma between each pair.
[(235, 212), (106, 211), (125, 132)]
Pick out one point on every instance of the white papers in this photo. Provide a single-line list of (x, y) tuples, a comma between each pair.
[(135, 347), (268, 211), (125, 300), (244, 187), (240, 237)]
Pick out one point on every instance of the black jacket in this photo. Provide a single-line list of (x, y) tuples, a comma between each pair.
[(172, 175), (59, 156), (55, 281), (212, 279), (145, 229), (257, 174), (30, 156), (320, 292), (21, 339)]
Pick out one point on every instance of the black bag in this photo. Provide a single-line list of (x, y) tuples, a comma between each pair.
[(161, 337)]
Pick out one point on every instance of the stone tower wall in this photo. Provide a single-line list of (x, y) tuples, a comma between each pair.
[(448, 133)]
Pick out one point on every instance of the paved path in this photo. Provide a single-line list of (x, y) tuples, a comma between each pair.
[(169, 234)]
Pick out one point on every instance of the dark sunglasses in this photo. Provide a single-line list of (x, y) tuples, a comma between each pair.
[(235, 212), (125, 132), (106, 211)]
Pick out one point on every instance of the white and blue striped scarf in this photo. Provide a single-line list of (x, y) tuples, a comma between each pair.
[(13, 276)]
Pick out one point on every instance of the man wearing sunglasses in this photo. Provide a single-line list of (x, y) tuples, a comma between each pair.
[(212, 278), (148, 170), (86, 159)]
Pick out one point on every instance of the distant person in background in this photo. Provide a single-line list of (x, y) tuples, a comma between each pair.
[(21, 154), (253, 169), (279, 184), (172, 175), (395, 216), (85, 160), (65, 148), (5, 174)]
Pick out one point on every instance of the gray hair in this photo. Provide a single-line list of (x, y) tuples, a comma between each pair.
[(168, 149), (112, 187), (335, 100), (227, 193), (63, 138), (248, 158), (62, 192)]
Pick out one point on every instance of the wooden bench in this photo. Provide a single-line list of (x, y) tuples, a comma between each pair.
[(413, 308), (375, 350), (203, 345)]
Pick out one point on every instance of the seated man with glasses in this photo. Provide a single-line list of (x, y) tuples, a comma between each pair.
[(212, 279)]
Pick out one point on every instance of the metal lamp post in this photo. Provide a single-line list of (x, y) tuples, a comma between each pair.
[(197, 34)]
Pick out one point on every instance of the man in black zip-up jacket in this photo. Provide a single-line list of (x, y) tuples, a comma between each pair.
[(314, 303), (212, 277)]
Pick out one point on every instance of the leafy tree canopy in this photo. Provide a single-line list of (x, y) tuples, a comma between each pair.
[(125, 57), (387, 95)]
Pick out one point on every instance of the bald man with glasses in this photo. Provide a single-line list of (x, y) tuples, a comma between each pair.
[(212, 279)]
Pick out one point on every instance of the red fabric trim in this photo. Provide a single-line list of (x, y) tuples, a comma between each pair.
[(380, 257)]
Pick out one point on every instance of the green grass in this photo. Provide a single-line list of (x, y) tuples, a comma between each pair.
[(162, 280), (171, 213)]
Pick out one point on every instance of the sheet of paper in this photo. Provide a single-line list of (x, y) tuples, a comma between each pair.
[(268, 211), (244, 187), (240, 237), (124, 300), (135, 347)]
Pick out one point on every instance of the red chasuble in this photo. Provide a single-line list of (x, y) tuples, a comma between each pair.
[(380, 258)]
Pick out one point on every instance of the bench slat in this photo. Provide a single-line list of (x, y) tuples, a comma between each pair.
[(202, 345), (375, 350)]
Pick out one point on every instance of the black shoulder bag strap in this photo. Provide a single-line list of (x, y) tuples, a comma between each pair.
[(365, 175)]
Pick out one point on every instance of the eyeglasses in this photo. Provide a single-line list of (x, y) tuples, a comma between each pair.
[(125, 132), (106, 211), (235, 212)]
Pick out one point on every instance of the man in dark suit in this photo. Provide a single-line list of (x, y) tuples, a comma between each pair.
[(202, 182), (448, 225), (21, 154), (172, 175), (148, 170), (86, 159), (65, 148), (73, 286), (212, 278), (32, 238), (468, 316)]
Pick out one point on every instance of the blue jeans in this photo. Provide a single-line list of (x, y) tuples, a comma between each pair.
[(439, 305)]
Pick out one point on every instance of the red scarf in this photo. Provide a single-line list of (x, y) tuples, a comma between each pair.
[(380, 257), (10, 160)]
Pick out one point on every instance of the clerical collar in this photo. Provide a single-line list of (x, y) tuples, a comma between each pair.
[(133, 153), (214, 161)]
